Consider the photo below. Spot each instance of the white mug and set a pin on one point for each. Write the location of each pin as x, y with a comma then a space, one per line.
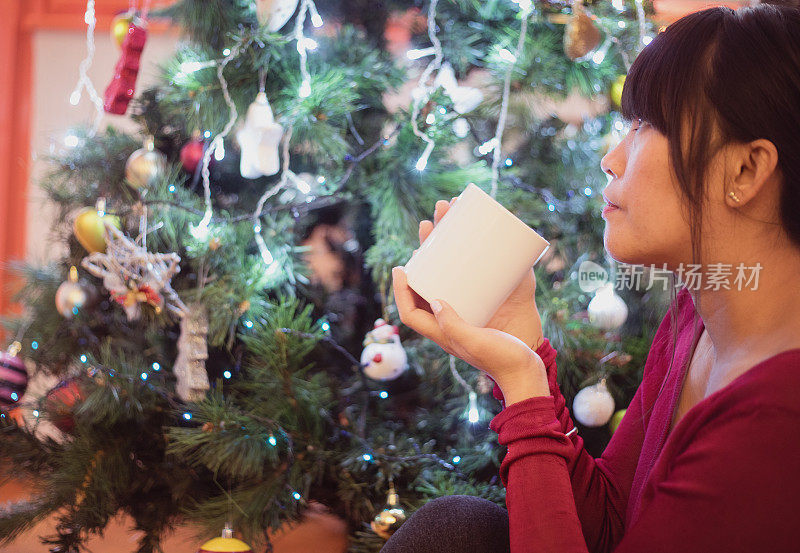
475, 256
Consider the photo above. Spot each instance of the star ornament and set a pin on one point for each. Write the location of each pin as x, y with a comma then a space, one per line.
259, 140
134, 276
465, 98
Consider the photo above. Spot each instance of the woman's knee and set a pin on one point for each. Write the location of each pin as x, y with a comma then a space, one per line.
454, 523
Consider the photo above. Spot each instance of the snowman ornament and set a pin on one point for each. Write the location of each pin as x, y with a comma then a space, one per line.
383, 357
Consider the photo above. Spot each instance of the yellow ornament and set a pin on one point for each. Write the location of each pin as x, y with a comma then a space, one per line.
615, 420
390, 518
226, 544
616, 91
89, 227
119, 27
581, 35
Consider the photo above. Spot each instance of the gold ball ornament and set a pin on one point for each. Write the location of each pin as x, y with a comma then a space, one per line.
70, 296
390, 518
145, 165
119, 27
274, 14
615, 93
615, 420
226, 544
89, 227
581, 35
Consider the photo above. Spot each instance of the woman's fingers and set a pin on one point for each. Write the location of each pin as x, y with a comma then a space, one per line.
425, 228
439, 210
413, 309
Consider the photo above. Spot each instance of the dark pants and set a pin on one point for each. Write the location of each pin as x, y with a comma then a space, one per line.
453, 524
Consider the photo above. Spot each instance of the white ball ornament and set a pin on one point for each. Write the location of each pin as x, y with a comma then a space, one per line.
259, 140
607, 310
383, 357
593, 406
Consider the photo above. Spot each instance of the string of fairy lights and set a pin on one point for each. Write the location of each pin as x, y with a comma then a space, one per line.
84, 82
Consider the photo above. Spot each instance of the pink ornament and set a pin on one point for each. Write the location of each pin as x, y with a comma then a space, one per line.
13, 377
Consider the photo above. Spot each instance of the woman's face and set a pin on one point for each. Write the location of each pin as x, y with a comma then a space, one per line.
649, 226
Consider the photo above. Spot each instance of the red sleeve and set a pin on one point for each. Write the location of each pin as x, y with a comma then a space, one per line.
591, 494
731, 488
548, 355
559, 497
541, 509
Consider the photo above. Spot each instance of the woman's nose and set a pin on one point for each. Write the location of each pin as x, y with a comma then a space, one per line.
612, 163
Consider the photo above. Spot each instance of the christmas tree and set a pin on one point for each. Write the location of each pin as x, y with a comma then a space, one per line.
226, 263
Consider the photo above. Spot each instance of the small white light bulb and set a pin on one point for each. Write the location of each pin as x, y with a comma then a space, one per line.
473, 415
305, 89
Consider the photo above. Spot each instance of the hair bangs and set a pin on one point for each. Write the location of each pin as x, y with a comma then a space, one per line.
662, 86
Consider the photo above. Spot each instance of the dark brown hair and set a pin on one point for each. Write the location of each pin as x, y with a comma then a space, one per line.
716, 77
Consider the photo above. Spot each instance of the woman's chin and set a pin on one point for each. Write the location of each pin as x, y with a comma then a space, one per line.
622, 253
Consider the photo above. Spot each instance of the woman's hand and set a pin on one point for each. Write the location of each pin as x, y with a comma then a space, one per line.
503, 352
516, 368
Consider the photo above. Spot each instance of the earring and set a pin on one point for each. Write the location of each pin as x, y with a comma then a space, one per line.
733, 195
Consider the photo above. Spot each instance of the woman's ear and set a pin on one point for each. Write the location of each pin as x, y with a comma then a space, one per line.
755, 165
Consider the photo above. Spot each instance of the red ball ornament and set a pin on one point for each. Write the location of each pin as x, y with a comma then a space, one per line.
13, 377
60, 404
192, 155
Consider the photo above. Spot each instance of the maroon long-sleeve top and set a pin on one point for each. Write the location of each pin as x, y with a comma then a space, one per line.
725, 479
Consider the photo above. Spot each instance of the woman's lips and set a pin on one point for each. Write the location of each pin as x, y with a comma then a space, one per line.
608, 209
610, 206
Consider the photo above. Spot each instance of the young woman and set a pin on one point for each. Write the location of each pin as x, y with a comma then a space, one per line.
707, 457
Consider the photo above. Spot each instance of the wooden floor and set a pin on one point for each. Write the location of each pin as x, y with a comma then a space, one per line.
323, 531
